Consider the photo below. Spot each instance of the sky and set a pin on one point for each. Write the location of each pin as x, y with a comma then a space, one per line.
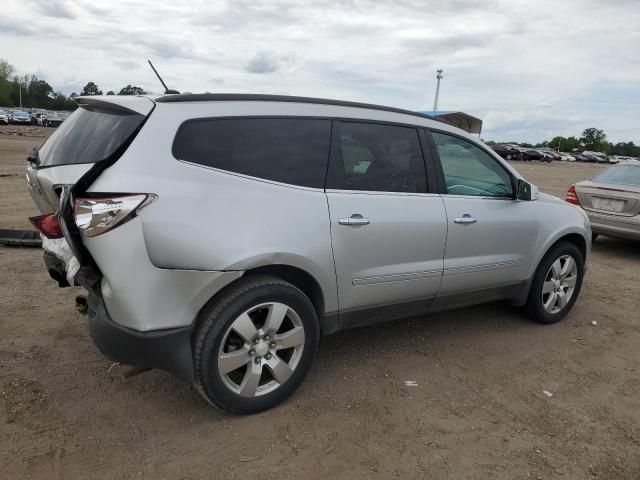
530, 70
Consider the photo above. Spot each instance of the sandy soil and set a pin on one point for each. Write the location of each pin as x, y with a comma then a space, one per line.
478, 411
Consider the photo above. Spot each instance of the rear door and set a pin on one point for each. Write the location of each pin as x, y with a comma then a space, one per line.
491, 236
388, 233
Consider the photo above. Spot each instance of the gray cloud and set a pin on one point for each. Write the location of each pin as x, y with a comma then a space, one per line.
12, 27
263, 62
56, 9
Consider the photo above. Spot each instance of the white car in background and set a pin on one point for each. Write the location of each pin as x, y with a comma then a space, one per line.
565, 157
4, 117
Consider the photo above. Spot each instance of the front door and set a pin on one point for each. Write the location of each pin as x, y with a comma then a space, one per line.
491, 236
388, 234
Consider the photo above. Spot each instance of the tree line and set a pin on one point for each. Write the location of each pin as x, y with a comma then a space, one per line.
37, 93
592, 140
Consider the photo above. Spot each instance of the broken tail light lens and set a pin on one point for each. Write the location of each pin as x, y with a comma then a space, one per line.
572, 196
48, 225
100, 213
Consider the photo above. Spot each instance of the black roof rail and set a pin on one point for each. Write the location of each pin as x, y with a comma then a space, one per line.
250, 97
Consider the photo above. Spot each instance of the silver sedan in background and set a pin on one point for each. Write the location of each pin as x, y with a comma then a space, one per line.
612, 201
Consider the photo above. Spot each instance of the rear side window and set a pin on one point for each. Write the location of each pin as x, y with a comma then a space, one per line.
379, 158
88, 136
287, 150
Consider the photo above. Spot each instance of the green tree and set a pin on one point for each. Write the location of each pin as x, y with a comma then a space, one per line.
131, 90
62, 102
565, 144
39, 93
6, 72
91, 89
627, 149
110, 92
594, 140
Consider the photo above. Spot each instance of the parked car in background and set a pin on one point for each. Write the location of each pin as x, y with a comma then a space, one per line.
578, 157
359, 210
545, 156
551, 153
19, 117
4, 117
508, 152
612, 200
533, 154
565, 157
598, 156
53, 119
588, 157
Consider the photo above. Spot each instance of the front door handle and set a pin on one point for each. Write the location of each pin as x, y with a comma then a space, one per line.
354, 220
465, 219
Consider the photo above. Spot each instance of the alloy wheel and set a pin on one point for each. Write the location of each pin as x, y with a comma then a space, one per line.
261, 349
559, 284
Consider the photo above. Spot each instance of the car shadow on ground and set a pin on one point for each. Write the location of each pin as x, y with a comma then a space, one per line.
434, 332
623, 249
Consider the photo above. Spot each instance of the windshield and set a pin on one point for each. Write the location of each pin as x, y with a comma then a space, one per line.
621, 175
20, 114
88, 136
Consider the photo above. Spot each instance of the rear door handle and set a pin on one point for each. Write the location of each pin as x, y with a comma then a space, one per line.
354, 220
465, 219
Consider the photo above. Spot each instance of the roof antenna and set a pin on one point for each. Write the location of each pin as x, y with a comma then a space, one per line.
166, 90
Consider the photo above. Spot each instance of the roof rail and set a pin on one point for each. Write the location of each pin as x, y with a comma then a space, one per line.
250, 97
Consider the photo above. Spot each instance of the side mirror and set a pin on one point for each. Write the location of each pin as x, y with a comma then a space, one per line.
32, 156
526, 191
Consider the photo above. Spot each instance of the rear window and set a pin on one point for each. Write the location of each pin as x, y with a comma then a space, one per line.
287, 150
88, 136
621, 175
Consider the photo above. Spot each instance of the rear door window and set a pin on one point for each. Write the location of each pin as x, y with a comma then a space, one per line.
287, 150
89, 136
377, 157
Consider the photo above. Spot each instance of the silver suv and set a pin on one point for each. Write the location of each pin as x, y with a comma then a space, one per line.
219, 236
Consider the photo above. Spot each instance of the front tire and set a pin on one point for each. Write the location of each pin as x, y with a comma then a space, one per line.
255, 345
556, 284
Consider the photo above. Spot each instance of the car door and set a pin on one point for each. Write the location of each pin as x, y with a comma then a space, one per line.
388, 234
491, 236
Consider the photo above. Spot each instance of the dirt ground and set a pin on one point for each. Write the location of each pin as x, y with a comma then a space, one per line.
478, 411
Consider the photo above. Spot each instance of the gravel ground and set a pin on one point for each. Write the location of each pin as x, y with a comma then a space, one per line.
478, 411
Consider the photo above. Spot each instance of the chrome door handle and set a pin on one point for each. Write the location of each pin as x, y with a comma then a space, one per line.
354, 220
465, 219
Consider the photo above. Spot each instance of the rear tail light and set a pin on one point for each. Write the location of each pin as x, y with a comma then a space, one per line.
48, 225
572, 196
100, 213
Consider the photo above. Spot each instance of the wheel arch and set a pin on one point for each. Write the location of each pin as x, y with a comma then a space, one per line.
298, 277
572, 236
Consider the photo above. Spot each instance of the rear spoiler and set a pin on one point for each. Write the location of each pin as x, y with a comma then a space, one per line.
123, 104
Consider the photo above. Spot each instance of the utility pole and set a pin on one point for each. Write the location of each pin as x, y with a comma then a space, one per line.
20, 90
435, 102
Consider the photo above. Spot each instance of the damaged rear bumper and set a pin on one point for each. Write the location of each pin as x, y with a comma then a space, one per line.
168, 350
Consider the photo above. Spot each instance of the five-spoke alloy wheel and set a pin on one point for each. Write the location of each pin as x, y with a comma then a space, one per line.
255, 344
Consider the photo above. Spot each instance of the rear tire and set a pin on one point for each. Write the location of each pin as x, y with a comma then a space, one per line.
255, 345
556, 284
